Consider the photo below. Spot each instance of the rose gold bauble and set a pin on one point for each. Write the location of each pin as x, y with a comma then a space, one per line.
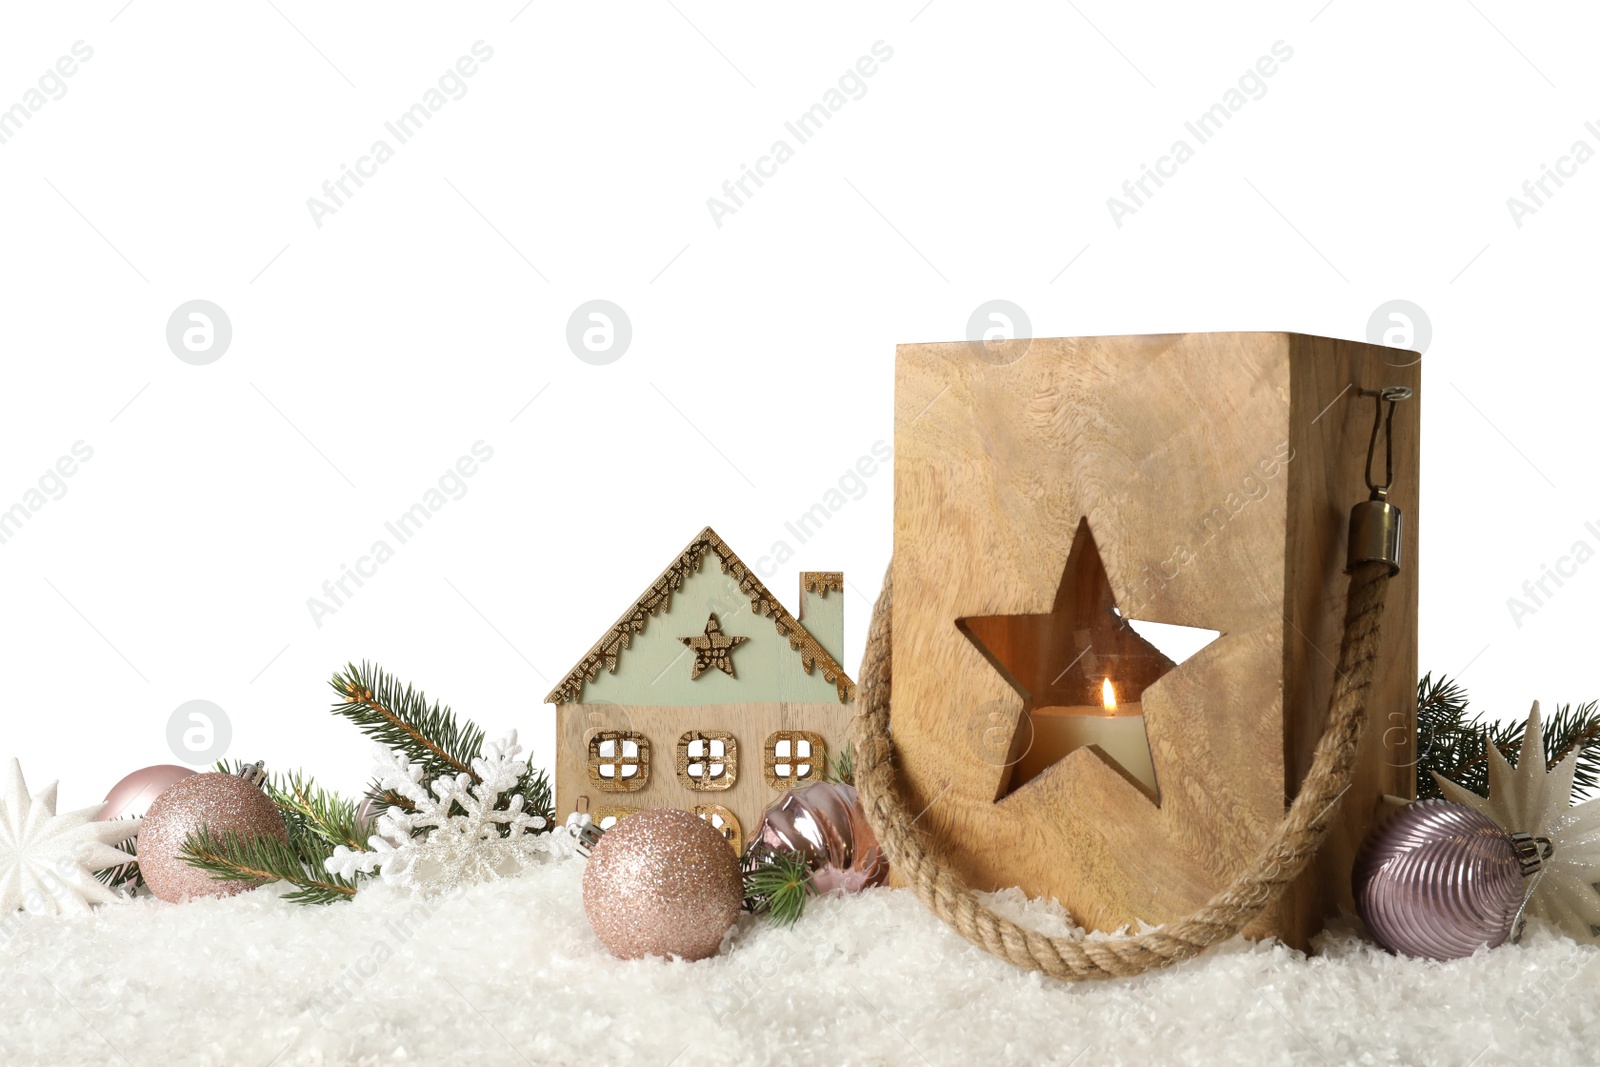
218, 802
662, 883
824, 824
132, 796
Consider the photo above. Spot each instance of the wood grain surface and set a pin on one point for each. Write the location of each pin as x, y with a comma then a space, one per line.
664, 727
1216, 473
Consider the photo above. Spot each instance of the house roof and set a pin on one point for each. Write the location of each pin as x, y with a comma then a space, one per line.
658, 598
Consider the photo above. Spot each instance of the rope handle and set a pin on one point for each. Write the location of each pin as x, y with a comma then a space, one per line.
1282, 858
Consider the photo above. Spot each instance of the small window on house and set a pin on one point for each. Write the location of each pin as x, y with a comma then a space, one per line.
619, 761
708, 760
794, 757
723, 822
606, 817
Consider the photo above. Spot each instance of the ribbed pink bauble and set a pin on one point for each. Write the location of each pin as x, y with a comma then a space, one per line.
219, 802
1439, 880
662, 883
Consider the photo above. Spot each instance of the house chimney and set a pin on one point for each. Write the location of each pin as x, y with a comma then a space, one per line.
822, 609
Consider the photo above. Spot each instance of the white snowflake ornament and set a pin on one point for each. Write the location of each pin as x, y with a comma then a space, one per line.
431, 848
1530, 800
47, 861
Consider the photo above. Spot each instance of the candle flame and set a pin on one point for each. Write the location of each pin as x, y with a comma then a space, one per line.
1109, 695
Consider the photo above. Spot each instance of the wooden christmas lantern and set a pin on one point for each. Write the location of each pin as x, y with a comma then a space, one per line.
1050, 495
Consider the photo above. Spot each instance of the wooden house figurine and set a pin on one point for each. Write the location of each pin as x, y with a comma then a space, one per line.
706, 695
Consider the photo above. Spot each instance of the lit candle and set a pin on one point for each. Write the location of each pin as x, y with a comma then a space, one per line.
1116, 729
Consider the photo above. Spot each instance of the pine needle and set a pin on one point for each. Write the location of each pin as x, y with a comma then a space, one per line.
260, 861
534, 786
314, 813
319, 820
777, 884
327, 816
126, 874
401, 719
1454, 745
1572, 729
843, 768
430, 736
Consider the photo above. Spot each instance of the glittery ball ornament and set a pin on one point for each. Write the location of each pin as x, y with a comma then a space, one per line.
824, 824
131, 797
1439, 880
662, 883
218, 802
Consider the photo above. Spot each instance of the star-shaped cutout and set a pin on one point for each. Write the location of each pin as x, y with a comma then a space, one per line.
713, 648
1065, 663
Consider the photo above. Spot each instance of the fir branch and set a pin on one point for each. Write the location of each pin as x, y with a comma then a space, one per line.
430, 737
1452, 745
387, 798
843, 768
330, 817
1456, 746
537, 799
325, 817
317, 820
120, 876
1578, 729
777, 883
261, 861
401, 719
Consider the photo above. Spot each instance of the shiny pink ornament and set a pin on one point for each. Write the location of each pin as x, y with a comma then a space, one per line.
1439, 880
662, 883
219, 802
131, 797
823, 823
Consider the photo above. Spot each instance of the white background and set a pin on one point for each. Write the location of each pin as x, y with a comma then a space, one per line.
423, 316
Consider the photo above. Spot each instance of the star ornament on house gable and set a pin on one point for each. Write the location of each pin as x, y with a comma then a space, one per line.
713, 649
1081, 669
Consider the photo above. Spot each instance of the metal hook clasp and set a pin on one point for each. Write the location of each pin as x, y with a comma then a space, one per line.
1393, 394
254, 773
1532, 854
1375, 524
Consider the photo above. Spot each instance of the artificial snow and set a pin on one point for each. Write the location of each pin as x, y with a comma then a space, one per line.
508, 972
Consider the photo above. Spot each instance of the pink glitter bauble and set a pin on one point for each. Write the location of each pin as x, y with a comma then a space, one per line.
662, 883
1438, 880
824, 824
218, 802
132, 796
